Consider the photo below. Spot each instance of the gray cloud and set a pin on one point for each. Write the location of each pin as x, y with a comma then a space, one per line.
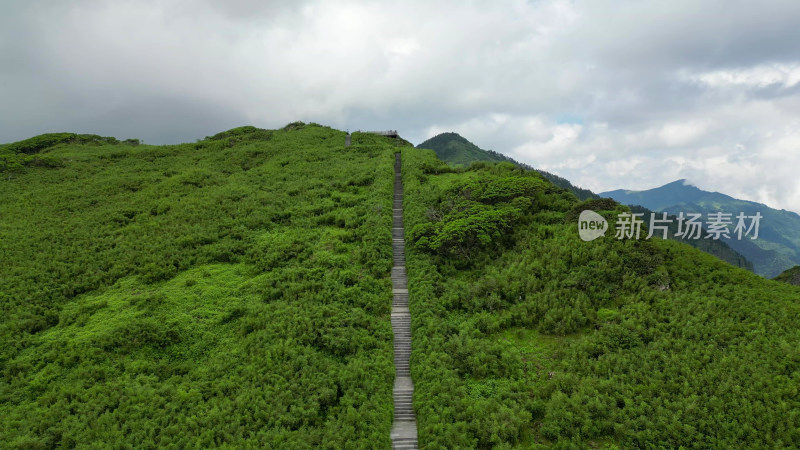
607, 94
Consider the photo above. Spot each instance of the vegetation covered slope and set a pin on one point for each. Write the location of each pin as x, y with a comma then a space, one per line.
711, 246
526, 336
26, 153
232, 292
457, 150
791, 276
778, 245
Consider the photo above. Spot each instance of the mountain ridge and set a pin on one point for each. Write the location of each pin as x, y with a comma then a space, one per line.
456, 149
778, 245
692, 188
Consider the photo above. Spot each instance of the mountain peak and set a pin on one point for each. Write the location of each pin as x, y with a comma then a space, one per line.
455, 149
451, 135
680, 185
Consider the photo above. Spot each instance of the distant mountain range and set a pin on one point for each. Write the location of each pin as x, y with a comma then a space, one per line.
457, 150
778, 245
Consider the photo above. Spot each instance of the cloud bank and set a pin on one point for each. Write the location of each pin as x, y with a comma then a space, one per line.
607, 94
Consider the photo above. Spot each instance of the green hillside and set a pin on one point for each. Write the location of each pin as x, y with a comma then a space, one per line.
235, 292
526, 336
231, 292
713, 247
457, 150
791, 276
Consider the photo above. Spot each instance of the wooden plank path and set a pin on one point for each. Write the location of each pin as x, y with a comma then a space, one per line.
404, 428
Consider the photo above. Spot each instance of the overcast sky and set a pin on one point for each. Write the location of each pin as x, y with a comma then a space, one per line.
608, 94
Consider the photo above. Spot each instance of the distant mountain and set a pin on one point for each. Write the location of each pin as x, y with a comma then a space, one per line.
713, 247
778, 245
457, 150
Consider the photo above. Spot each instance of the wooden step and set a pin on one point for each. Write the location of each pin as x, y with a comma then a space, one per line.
404, 428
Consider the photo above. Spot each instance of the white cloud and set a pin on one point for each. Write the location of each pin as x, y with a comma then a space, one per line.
558, 139
761, 76
682, 134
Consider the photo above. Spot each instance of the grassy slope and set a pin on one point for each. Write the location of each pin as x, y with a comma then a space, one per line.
455, 149
791, 276
711, 246
534, 337
234, 291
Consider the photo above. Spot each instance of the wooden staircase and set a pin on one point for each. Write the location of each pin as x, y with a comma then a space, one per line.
404, 428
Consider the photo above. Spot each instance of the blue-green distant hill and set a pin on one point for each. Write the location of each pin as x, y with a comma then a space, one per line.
778, 245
